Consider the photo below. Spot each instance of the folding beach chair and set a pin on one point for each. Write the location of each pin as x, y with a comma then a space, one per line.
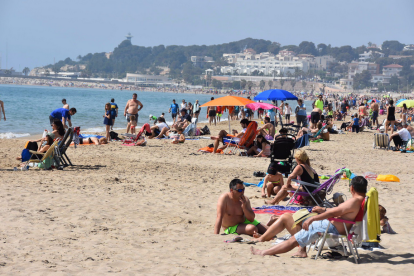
34, 158
357, 234
60, 157
190, 130
246, 141
381, 140
325, 188
292, 129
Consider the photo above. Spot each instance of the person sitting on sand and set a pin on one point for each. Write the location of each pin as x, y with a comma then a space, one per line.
223, 134
181, 137
273, 182
158, 130
234, 213
183, 120
310, 130
307, 231
268, 129
400, 137
261, 147
306, 173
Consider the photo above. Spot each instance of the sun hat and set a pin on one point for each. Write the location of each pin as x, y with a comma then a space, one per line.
300, 215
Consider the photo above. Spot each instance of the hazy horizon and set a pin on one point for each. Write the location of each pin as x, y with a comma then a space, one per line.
36, 33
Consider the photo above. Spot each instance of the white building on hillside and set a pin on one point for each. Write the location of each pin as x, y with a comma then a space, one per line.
392, 70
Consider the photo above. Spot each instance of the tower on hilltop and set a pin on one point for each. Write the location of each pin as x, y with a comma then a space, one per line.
129, 36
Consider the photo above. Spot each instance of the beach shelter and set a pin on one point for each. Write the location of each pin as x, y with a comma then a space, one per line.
275, 95
228, 101
408, 103
256, 106
400, 100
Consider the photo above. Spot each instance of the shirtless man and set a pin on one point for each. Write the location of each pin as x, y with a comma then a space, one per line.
65, 105
2, 110
268, 129
132, 107
375, 109
306, 232
234, 213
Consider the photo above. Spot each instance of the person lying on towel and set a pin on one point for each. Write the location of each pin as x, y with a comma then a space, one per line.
234, 213
304, 232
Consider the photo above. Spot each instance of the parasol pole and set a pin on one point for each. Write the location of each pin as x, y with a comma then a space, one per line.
228, 116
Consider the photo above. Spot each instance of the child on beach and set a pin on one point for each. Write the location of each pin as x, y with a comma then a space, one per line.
288, 111
107, 120
181, 137
133, 120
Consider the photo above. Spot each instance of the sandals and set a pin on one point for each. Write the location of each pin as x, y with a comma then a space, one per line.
332, 255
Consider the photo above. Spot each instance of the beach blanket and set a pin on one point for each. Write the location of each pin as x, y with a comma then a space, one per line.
208, 149
278, 209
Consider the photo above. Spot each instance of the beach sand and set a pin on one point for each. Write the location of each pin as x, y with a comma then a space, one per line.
151, 210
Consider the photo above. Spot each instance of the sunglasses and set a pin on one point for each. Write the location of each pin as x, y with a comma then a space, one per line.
239, 190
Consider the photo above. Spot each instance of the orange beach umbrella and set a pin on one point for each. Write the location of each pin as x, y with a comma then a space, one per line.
228, 101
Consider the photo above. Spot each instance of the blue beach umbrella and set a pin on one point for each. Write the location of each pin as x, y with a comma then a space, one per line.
401, 100
275, 95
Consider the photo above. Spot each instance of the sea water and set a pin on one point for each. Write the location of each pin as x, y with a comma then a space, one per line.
28, 107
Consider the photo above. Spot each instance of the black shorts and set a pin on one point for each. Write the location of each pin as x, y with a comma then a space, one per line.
287, 116
157, 132
212, 113
315, 117
173, 115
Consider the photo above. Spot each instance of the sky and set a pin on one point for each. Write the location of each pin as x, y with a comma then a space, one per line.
35, 33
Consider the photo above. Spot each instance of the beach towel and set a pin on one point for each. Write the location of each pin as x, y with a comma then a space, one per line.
210, 150
371, 223
278, 209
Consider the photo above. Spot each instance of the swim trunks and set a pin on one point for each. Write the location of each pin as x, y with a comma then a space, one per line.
129, 115
212, 113
233, 229
374, 115
315, 117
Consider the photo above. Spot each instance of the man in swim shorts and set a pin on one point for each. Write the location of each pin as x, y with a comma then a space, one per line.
131, 108
173, 110
268, 129
234, 213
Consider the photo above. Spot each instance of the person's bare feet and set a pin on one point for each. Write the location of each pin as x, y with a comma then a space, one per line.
300, 254
269, 202
18, 158
256, 235
264, 196
256, 251
272, 220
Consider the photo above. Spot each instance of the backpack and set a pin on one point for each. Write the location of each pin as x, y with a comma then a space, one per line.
114, 135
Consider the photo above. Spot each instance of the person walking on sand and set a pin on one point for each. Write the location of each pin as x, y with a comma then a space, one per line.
114, 112
211, 112
131, 108
2, 110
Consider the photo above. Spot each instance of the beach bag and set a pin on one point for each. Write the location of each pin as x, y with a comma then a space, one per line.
47, 163
205, 130
114, 135
26, 155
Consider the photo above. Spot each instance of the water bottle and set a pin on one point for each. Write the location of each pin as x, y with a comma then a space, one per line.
44, 133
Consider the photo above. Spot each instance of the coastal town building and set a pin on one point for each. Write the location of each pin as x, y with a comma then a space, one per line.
409, 47
392, 70
10, 72
369, 55
357, 68
200, 60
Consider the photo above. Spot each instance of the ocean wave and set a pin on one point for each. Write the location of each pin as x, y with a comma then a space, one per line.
10, 135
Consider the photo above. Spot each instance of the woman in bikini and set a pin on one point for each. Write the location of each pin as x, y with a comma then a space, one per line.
404, 113
303, 171
272, 183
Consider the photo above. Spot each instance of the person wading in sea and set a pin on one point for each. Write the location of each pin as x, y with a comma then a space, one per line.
132, 107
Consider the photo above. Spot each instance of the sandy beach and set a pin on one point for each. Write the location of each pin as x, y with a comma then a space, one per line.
151, 210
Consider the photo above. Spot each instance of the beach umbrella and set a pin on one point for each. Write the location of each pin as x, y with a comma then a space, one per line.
228, 101
401, 100
274, 95
256, 106
408, 103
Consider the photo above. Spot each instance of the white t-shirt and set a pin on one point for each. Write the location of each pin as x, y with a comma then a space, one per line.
404, 134
243, 130
183, 105
161, 126
288, 110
